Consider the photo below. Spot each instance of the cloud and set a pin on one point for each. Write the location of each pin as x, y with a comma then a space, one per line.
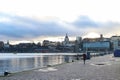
86, 25
66, 10
18, 28
22, 27
84, 22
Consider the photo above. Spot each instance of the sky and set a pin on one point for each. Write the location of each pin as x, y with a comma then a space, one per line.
37, 20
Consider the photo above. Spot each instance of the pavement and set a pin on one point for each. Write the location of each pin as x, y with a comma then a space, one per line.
97, 68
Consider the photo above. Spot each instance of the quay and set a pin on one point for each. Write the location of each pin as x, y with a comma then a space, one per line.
104, 67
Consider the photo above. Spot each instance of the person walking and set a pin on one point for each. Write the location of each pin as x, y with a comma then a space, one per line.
84, 58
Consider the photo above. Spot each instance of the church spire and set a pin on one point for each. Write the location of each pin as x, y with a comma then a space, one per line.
66, 36
66, 40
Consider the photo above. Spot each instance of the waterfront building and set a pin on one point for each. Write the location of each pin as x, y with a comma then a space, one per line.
46, 42
115, 40
42, 49
38, 44
26, 45
49, 43
78, 42
96, 46
67, 45
7, 45
66, 40
1, 44
101, 38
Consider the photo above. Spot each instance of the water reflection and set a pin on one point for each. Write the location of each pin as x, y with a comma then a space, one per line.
21, 64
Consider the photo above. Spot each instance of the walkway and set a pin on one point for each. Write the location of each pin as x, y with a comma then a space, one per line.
98, 68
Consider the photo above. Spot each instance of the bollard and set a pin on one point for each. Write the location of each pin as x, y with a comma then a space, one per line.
88, 55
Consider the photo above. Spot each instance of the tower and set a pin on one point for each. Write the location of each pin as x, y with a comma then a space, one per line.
7, 42
7, 45
66, 40
101, 37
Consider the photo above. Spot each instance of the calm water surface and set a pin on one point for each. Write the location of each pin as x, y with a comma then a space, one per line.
27, 61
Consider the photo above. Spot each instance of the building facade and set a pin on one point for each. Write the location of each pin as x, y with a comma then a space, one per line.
115, 40
96, 46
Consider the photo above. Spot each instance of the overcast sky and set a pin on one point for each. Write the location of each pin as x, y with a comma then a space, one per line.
39, 19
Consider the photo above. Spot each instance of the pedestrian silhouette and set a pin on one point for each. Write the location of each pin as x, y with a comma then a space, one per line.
84, 57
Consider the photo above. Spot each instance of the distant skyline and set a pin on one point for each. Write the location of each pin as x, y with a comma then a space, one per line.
36, 20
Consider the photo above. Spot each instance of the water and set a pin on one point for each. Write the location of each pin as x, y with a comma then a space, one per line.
26, 61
